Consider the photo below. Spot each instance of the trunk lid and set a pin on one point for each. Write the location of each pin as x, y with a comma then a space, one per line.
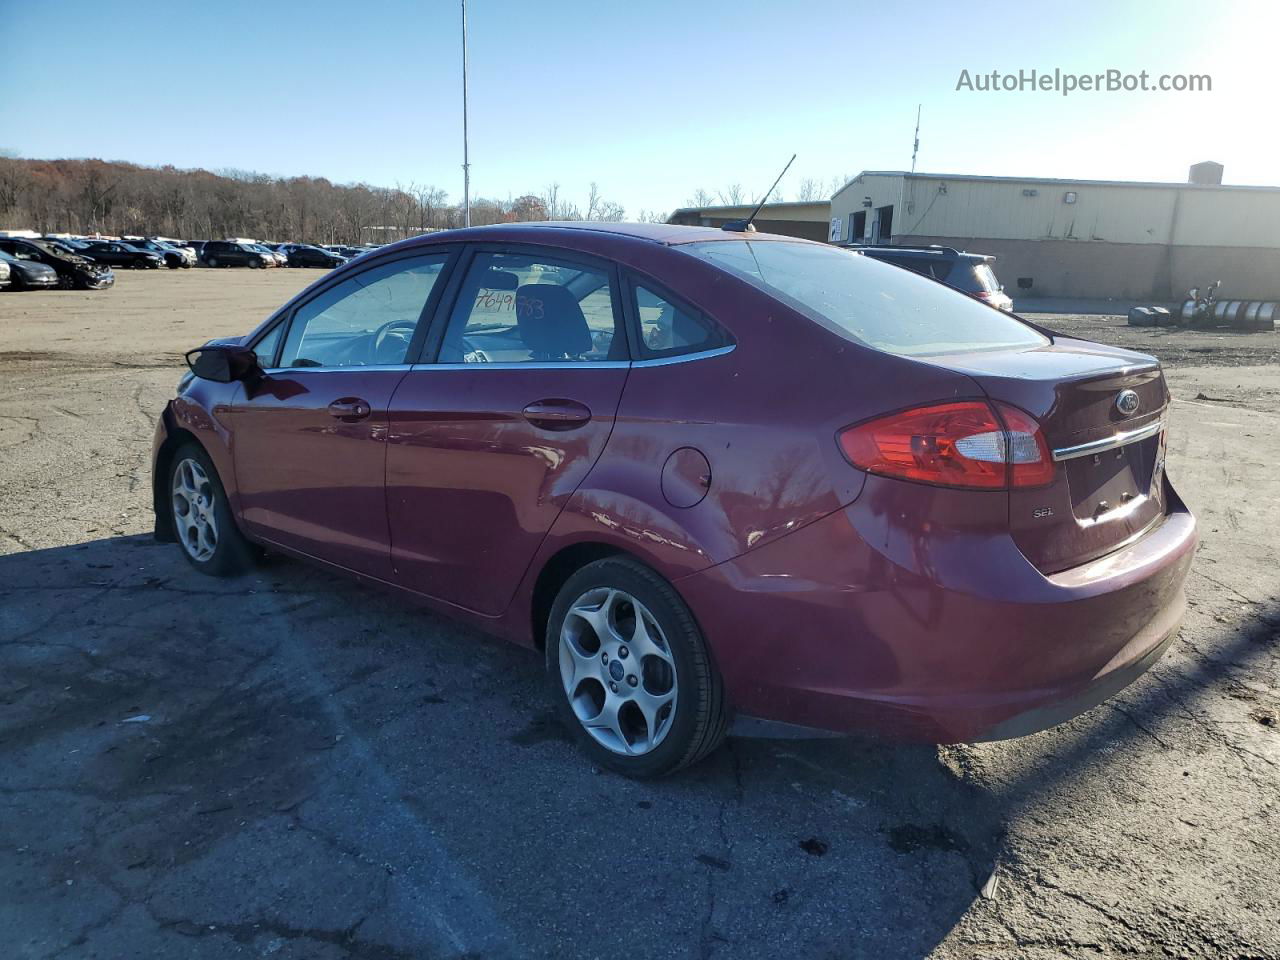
1109, 457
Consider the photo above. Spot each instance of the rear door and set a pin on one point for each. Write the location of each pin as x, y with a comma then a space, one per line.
491, 437
310, 436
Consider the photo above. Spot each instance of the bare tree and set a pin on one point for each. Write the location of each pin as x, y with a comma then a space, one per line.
811, 189
701, 198
87, 196
731, 196
528, 208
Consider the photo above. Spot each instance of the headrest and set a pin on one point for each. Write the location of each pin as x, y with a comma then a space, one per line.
495, 279
550, 322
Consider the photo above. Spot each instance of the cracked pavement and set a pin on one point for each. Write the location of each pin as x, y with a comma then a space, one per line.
328, 771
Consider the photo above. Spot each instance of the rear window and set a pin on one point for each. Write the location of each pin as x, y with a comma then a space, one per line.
870, 302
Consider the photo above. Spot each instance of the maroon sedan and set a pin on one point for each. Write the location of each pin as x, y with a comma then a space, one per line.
714, 475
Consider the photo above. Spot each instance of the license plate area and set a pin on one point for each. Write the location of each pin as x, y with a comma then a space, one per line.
1115, 479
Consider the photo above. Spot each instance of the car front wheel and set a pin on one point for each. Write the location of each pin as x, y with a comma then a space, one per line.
630, 671
203, 524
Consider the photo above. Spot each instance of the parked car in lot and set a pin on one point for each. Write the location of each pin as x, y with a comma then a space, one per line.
123, 255
306, 255
227, 253
181, 246
714, 475
969, 273
272, 258
28, 274
175, 258
74, 271
4, 274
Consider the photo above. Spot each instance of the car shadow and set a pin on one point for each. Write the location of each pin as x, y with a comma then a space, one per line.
290, 755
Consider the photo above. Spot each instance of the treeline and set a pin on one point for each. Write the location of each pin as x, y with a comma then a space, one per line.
97, 196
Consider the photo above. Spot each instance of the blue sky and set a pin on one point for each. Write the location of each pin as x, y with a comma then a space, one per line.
651, 100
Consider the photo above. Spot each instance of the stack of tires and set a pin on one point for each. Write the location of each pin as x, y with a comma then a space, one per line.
1150, 317
1258, 315
1250, 315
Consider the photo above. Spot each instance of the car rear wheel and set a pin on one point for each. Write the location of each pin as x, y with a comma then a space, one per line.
202, 521
213, 261
630, 671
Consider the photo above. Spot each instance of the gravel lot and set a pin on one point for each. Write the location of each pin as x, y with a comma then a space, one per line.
289, 765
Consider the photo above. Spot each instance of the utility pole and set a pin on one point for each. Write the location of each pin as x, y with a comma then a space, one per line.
915, 147
466, 162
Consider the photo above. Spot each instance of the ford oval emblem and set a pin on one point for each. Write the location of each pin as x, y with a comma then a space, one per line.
1127, 402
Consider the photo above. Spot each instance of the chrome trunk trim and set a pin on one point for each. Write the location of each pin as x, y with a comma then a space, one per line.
1108, 443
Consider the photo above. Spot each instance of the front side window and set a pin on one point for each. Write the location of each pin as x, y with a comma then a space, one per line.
867, 301
669, 329
265, 348
366, 320
517, 308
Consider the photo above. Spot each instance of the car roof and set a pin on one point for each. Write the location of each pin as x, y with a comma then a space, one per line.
667, 234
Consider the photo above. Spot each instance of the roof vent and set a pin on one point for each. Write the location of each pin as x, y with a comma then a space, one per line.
1207, 173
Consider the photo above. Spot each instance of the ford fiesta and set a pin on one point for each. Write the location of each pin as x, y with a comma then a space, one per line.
714, 475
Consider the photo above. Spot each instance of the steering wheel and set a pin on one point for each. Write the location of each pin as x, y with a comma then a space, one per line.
387, 329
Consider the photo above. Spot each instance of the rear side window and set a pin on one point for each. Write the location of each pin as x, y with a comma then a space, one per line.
934, 267
974, 276
519, 308
867, 301
669, 329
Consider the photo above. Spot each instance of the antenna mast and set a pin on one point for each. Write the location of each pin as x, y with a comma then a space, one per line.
915, 147
741, 226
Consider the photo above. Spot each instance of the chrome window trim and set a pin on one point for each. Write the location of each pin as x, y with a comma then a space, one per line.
529, 365
351, 368
573, 364
1108, 443
686, 357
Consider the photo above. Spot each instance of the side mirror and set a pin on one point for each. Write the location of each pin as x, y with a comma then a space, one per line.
223, 363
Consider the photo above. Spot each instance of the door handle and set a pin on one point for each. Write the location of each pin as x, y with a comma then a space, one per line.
558, 414
350, 409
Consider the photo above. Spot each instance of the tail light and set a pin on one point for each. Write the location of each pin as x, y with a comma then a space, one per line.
962, 444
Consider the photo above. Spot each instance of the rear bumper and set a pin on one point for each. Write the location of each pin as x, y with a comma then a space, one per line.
944, 634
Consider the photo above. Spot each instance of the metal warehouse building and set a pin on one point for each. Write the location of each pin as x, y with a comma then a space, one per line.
1080, 238
801, 218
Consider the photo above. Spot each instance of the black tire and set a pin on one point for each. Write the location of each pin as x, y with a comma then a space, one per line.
213, 262
233, 554
700, 717
256, 264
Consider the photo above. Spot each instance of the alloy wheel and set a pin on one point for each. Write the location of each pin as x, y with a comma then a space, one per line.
193, 510
618, 671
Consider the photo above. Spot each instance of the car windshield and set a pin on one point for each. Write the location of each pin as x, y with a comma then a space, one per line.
868, 301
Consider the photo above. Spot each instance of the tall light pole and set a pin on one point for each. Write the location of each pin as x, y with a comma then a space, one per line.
466, 163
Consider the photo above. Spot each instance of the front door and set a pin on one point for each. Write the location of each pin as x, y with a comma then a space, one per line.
310, 436
489, 443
